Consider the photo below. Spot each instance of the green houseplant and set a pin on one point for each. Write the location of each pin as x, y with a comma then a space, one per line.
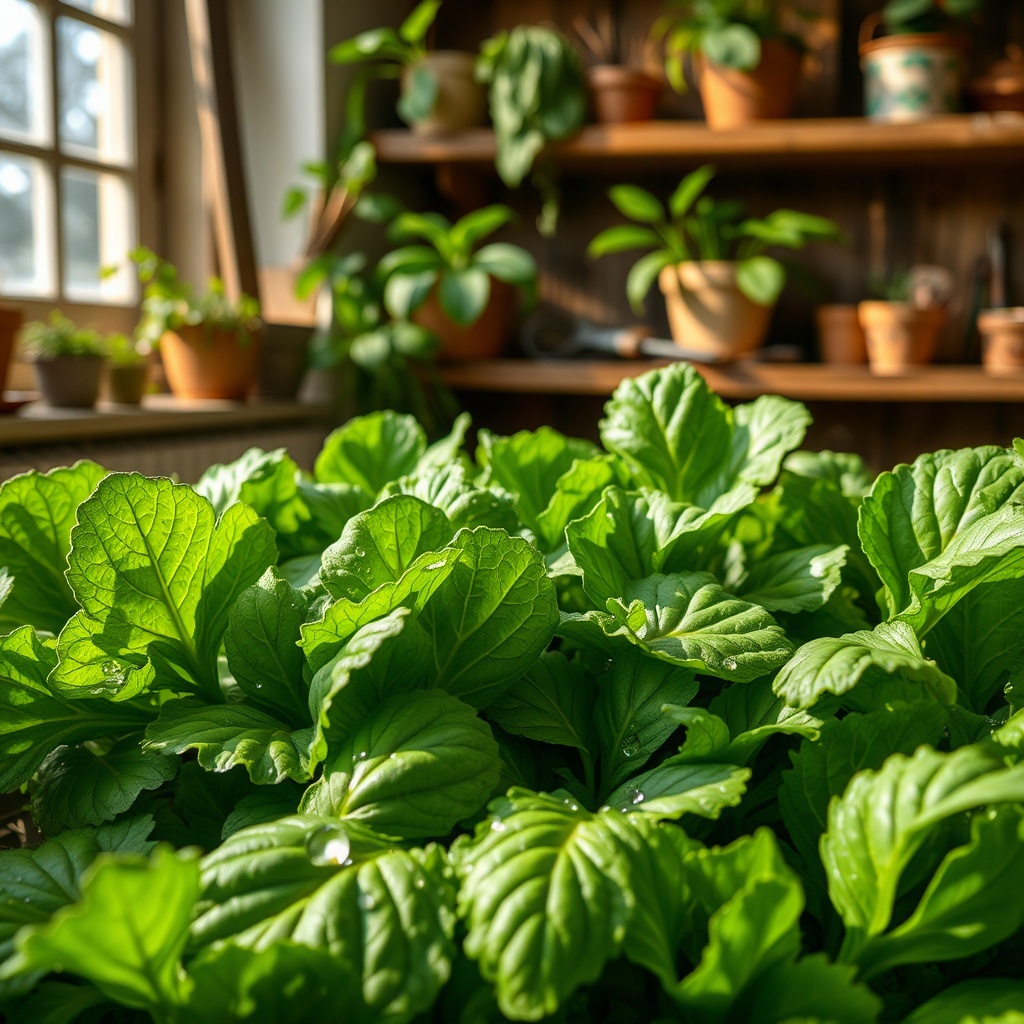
746, 59
208, 343
68, 360
916, 69
710, 260
462, 291
439, 92
127, 369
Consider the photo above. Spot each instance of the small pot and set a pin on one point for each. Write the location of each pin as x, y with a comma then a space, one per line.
708, 312
126, 384
899, 336
10, 324
1002, 340
621, 95
485, 338
70, 382
1002, 87
910, 77
840, 336
461, 100
209, 363
734, 98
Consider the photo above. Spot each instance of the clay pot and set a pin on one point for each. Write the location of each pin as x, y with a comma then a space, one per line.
734, 98
126, 384
461, 100
909, 77
899, 336
840, 336
621, 95
10, 324
70, 382
708, 312
484, 338
1002, 340
209, 363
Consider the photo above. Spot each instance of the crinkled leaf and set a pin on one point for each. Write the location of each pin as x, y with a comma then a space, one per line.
369, 451
799, 580
677, 787
576, 492
960, 1003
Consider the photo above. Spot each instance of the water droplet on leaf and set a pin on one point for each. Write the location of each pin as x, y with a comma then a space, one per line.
631, 745
638, 797
730, 664
329, 846
498, 825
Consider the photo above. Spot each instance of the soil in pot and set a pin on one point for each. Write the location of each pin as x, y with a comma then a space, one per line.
485, 338
10, 323
708, 312
461, 101
621, 95
126, 384
1002, 340
734, 98
209, 363
70, 382
841, 339
899, 336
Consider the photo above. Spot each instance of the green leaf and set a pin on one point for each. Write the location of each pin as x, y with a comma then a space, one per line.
156, 577
794, 581
636, 203
380, 42
732, 45
369, 451
463, 294
404, 293
576, 492
508, 263
125, 935
227, 735
37, 512
417, 23
628, 716
642, 276
421, 763
688, 619
261, 643
34, 718
865, 668
688, 191
960, 1003
530, 464
544, 895
419, 94
77, 787
676, 788
384, 916
474, 227
622, 238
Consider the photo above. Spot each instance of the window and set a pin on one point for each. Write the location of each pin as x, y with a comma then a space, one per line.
68, 163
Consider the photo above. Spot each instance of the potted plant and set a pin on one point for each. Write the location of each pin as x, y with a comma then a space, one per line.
620, 87
68, 360
746, 60
916, 68
462, 292
127, 369
439, 92
1002, 340
710, 261
207, 343
537, 95
900, 327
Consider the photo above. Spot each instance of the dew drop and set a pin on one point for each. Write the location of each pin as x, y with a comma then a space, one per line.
730, 664
631, 745
329, 846
638, 797
817, 570
419, 883
437, 565
259, 686
366, 901
360, 553
111, 668
498, 825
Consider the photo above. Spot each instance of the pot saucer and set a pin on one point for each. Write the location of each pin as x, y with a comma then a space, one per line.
12, 401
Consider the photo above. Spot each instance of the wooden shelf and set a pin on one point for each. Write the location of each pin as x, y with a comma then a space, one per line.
804, 382
966, 138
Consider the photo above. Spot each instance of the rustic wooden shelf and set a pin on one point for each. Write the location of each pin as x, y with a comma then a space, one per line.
969, 138
804, 382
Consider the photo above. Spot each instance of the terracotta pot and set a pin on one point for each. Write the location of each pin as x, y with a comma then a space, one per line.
202, 363
461, 100
909, 77
1002, 340
708, 312
734, 98
70, 382
899, 336
621, 95
840, 336
126, 384
10, 324
484, 338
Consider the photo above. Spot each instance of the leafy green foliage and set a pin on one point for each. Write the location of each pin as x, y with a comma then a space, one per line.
687, 725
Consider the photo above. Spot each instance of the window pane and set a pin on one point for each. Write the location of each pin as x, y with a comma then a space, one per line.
26, 227
23, 78
96, 214
112, 10
95, 92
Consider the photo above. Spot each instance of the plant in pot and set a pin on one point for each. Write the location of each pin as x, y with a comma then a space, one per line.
127, 369
916, 68
208, 344
621, 88
537, 95
746, 58
439, 92
710, 260
463, 292
68, 360
901, 324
